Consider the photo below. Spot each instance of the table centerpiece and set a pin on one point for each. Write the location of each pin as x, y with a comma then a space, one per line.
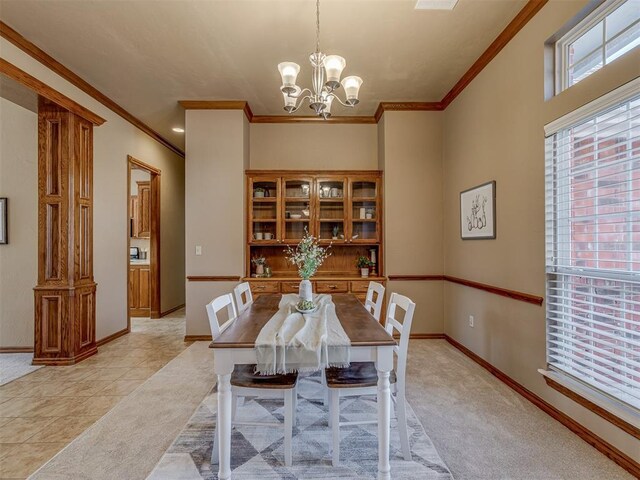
308, 256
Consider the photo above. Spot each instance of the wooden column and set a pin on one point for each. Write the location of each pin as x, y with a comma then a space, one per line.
65, 296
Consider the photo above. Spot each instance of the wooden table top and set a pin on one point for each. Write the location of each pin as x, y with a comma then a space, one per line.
362, 329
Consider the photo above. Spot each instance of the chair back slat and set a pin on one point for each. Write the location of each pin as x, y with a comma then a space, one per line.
243, 296
216, 305
374, 306
401, 350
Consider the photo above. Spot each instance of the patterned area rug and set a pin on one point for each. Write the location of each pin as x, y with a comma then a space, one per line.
15, 365
257, 452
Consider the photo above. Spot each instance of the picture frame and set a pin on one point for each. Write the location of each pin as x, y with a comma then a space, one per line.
478, 212
4, 221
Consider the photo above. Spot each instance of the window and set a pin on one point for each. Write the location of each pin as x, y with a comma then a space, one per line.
608, 33
593, 244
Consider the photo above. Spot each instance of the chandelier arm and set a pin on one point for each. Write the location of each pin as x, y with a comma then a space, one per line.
306, 97
340, 101
299, 94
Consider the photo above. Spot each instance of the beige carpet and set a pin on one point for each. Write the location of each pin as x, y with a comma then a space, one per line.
482, 429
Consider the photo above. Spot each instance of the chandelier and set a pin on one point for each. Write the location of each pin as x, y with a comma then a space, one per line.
323, 95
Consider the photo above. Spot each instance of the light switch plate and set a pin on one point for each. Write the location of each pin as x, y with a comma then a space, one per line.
198, 249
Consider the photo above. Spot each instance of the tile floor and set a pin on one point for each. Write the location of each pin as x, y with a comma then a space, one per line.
42, 412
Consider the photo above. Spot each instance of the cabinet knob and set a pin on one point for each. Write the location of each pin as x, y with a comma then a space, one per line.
259, 287
333, 287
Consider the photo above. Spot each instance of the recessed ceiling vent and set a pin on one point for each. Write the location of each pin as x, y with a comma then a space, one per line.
436, 4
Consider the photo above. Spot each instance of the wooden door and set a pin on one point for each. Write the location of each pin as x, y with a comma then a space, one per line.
143, 288
364, 210
144, 209
134, 281
264, 211
297, 208
331, 210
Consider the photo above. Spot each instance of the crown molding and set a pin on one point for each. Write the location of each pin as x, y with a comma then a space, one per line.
47, 60
218, 105
313, 119
44, 90
406, 107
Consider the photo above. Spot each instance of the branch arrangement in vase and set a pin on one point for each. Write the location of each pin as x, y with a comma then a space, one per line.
308, 256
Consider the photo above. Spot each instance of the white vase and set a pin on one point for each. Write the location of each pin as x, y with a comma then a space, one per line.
306, 291
364, 272
259, 269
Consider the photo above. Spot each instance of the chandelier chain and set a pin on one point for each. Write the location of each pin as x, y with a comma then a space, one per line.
317, 26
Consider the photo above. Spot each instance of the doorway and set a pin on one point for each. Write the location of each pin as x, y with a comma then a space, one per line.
143, 240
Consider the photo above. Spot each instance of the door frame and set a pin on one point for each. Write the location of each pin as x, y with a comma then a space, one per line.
154, 235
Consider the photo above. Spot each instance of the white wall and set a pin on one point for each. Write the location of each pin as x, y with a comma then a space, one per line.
495, 131
113, 141
313, 146
216, 160
18, 259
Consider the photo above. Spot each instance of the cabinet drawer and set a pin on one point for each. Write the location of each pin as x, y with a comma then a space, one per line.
290, 287
361, 286
264, 287
332, 287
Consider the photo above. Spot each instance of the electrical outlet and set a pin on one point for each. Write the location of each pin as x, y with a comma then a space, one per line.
198, 249
471, 319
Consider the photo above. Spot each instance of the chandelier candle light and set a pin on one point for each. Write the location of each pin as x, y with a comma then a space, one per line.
322, 96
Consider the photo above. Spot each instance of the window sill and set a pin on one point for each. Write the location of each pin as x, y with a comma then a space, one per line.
614, 412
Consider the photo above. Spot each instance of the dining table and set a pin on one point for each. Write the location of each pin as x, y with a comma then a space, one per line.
370, 342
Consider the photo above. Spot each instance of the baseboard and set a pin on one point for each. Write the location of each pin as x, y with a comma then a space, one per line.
587, 435
16, 349
171, 310
111, 337
198, 338
426, 336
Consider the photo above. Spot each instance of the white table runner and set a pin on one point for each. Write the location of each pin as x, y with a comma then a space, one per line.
294, 342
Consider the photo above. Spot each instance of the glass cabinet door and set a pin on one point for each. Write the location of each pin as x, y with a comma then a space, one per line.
264, 211
331, 196
297, 208
364, 210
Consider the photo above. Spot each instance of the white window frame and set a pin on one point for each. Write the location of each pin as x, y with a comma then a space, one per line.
562, 45
612, 404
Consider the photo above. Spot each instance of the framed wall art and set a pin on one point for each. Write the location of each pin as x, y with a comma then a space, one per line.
478, 212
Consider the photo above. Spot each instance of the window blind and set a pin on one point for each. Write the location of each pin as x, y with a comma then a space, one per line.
593, 245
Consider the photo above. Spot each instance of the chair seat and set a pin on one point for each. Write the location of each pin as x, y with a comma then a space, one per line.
244, 376
357, 375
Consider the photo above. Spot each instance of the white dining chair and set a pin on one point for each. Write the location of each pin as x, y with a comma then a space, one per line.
361, 378
245, 383
374, 306
243, 296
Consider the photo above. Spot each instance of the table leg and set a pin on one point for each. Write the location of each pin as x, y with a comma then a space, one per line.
384, 365
224, 426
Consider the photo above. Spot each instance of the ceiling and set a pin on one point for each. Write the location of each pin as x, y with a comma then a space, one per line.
148, 54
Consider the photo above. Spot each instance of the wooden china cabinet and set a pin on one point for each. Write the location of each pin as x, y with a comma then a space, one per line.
341, 208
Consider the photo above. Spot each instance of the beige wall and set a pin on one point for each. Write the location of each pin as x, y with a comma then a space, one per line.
18, 259
308, 146
412, 164
113, 141
216, 160
494, 131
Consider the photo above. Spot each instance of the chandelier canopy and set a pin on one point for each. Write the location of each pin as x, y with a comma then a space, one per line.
322, 95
